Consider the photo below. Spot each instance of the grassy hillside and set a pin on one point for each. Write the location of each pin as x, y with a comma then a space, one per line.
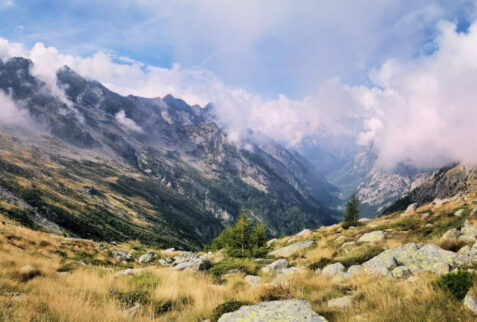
46, 277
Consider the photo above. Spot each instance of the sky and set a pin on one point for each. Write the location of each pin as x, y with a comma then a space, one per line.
399, 74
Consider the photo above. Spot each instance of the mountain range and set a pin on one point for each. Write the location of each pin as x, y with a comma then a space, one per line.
90, 163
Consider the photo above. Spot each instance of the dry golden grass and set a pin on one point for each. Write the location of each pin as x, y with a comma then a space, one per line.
93, 293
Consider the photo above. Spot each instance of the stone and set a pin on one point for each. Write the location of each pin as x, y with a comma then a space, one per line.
170, 249
459, 213
470, 302
132, 311
425, 215
340, 302
372, 237
439, 202
292, 249
272, 242
284, 310
364, 220
451, 234
190, 261
333, 269
318, 271
276, 265
129, 271
401, 271
425, 258
252, 279
123, 255
468, 229
339, 278
291, 270
411, 208
304, 232
355, 269
163, 262
147, 258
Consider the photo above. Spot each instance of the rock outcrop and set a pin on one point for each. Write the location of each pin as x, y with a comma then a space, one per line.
286, 310
292, 249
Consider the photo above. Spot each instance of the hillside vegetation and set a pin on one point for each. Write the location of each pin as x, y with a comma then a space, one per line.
47, 277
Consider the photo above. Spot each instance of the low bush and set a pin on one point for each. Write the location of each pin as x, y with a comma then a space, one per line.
320, 264
458, 284
226, 308
360, 256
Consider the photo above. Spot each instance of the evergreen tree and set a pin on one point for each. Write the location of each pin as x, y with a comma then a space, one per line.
242, 239
352, 212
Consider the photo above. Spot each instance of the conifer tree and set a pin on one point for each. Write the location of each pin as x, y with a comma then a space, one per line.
352, 212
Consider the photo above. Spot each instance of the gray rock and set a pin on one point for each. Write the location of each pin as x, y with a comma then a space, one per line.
451, 234
355, 269
163, 262
286, 310
272, 242
426, 258
411, 208
340, 302
333, 269
401, 271
304, 232
147, 258
459, 213
318, 271
123, 255
170, 249
372, 237
252, 279
468, 229
129, 271
292, 249
132, 311
471, 303
291, 270
191, 261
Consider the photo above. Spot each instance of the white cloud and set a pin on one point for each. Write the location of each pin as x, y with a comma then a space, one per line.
421, 111
127, 122
426, 109
10, 114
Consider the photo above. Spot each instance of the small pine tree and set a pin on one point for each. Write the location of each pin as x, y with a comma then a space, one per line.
259, 239
352, 212
242, 239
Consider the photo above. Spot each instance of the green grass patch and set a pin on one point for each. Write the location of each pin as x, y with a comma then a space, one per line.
245, 265
458, 284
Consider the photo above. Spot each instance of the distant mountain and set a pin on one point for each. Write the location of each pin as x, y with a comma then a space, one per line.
444, 183
377, 187
99, 165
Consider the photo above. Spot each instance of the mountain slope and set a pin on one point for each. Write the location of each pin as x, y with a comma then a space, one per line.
377, 187
443, 184
103, 166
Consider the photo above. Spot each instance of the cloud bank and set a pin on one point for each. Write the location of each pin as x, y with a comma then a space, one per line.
421, 111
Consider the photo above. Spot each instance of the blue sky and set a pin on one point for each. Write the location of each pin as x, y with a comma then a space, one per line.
268, 47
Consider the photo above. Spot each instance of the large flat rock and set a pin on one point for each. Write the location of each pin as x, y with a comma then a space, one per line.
292, 249
283, 311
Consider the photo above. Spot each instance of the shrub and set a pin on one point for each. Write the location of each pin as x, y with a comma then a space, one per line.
242, 239
274, 293
226, 308
458, 284
320, 264
361, 256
